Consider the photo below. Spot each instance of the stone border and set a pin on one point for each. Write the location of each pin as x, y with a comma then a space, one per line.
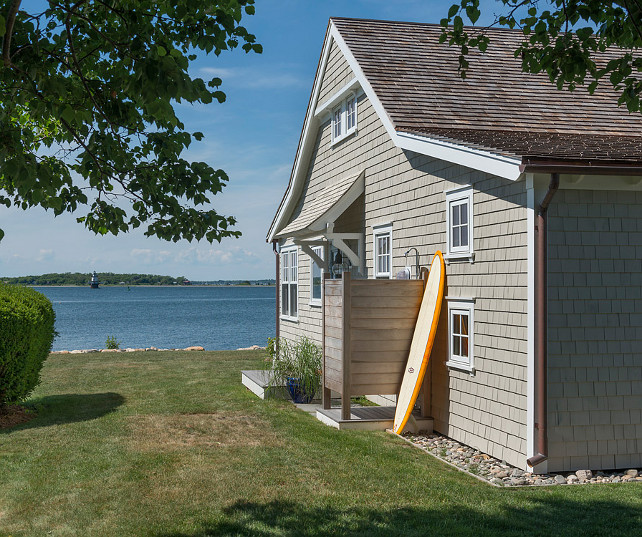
87, 351
193, 348
500, 473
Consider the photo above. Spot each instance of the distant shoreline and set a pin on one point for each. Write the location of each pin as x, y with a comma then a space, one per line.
149, 285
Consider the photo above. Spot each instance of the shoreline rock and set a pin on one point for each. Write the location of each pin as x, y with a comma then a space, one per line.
193, 348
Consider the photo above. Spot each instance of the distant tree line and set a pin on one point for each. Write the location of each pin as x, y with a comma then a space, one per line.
105, 278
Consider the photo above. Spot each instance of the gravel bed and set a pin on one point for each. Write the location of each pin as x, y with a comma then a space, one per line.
502, 474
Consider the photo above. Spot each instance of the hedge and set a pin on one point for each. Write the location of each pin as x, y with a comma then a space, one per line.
26, 335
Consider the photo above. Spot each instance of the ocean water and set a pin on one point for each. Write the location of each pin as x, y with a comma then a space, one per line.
217, 318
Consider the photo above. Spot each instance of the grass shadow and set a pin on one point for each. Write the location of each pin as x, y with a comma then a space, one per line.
552, 516
68, 408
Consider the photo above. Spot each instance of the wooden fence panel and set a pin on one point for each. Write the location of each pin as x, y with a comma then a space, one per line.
368, 328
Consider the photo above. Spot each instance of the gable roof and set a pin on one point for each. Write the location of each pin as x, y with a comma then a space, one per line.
496, 107
497, 120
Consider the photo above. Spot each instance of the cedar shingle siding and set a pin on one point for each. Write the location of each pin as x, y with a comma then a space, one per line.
595, 330
595, 237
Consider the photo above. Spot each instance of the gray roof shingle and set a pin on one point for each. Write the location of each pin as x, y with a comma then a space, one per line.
496, 107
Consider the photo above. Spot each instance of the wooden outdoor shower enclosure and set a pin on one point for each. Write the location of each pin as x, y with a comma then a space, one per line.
367, 330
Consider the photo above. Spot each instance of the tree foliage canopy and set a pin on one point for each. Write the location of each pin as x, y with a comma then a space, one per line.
87, 117
564, 41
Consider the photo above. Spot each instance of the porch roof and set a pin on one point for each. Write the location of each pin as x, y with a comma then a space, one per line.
325, 207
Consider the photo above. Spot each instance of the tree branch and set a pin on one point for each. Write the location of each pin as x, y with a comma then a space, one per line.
11, 21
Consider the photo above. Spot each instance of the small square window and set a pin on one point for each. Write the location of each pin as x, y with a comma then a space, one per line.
383, 252
459, 224
460, 335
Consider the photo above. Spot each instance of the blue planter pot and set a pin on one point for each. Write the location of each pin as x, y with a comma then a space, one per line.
297, 393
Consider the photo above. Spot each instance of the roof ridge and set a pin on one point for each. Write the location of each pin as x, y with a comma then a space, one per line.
425, 24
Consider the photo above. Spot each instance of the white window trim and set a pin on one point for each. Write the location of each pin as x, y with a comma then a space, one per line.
287, 250
453, 197
320, 251
466, 306
342, 106
377, 232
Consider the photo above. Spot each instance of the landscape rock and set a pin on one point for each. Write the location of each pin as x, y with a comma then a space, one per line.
584, 475
194, 348
501, 473
110, 350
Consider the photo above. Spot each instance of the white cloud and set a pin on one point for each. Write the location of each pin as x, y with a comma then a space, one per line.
45, 255
255, 79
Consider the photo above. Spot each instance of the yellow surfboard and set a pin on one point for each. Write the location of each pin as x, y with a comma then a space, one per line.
422, 342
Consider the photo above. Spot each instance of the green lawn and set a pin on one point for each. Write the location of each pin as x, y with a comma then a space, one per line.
171, 444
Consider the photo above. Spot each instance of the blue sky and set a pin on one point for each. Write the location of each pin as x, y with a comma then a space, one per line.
253, 136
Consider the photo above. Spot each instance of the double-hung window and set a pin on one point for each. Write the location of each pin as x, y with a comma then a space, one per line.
459, 224
383, 252
315, 277
289, 283
460, 335
344, 119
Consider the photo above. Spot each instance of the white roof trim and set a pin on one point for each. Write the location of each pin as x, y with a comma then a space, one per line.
458, 154
337, 97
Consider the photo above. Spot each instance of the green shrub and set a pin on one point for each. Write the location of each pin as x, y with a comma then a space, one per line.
26, 335
112, 343
300, 359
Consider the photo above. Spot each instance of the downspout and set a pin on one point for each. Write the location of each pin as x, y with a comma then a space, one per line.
278, 292
541, 313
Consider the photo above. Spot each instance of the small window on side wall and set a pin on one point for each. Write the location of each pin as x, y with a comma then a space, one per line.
460, 335
383, 252
289, 284
315, 278
459, 224
344, 119
337, 124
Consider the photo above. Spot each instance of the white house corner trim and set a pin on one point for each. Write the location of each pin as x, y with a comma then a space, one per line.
531, 209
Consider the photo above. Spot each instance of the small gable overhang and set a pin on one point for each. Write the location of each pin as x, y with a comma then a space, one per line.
320, 213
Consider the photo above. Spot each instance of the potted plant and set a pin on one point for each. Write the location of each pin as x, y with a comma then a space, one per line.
297, 365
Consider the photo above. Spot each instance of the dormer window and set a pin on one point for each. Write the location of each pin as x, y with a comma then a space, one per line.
344, 119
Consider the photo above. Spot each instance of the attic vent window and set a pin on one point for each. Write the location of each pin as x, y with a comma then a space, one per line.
344, 119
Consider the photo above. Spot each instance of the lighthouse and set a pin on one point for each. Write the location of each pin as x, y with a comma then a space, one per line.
94, 281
